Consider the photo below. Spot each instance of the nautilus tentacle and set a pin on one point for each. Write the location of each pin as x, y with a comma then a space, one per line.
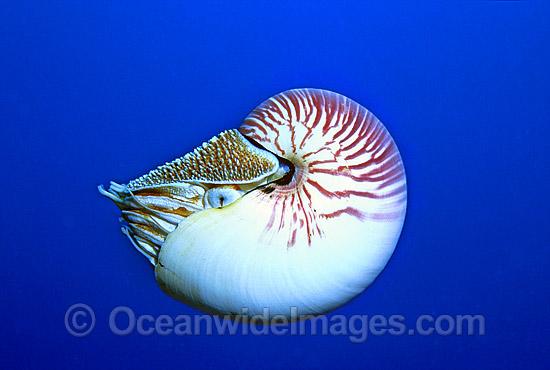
301, 207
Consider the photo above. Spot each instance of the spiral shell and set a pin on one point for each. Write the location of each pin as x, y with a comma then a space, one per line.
301, 207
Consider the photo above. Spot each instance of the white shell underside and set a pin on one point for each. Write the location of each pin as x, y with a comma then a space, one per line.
255, 270
309, 241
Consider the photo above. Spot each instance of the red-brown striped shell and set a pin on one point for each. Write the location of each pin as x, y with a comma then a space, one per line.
324, 135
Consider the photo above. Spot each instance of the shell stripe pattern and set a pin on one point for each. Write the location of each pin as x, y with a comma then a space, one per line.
330, 135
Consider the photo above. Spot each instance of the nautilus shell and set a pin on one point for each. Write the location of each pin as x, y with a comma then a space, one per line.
301, 207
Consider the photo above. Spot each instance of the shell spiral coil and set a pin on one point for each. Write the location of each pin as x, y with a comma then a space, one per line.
302, 206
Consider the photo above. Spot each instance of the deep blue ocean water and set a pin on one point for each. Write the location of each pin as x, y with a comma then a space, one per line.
92, 91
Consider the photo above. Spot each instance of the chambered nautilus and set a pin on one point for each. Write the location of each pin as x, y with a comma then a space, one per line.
301, 207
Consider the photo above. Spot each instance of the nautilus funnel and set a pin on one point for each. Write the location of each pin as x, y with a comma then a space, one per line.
299, 209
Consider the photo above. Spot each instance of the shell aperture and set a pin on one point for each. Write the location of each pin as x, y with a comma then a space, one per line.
213, 175
301, 207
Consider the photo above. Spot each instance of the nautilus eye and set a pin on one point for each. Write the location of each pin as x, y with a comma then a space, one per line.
301, 207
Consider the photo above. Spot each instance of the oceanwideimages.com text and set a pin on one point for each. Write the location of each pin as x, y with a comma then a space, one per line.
80, 321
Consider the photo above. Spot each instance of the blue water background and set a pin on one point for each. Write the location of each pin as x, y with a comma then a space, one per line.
92, 91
